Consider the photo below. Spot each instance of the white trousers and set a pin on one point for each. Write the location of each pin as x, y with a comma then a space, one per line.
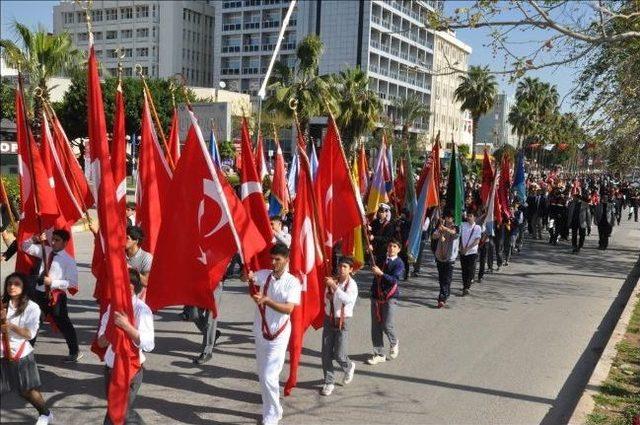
270, 356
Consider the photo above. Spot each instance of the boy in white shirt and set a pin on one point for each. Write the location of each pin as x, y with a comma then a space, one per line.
141, 333
341, 295
277, 292
470, 234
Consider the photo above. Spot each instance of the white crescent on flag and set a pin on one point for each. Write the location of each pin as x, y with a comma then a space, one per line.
209, 190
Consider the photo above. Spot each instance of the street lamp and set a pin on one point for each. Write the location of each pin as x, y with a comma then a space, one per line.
222, 85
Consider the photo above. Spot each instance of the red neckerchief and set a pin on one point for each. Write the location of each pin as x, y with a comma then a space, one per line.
332, 314
266, 332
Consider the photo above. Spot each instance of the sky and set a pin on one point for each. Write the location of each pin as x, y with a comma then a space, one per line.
33, 13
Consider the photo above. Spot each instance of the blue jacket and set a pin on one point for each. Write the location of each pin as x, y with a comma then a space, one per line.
393, 272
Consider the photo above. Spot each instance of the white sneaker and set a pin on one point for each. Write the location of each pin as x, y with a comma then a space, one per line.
327, 389
348, 377
394, 351
375, 359
45, 420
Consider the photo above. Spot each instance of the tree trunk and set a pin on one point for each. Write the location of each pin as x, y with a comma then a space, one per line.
474, 119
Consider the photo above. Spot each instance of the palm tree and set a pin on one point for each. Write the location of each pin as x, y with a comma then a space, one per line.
540, 100
40, 55
522, 120
409, 110
358, 107
476, 92
304, 85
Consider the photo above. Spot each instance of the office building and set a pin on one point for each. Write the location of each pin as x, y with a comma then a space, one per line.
163, 37
494, 127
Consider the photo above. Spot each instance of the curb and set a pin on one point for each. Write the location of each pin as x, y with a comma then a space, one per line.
586, 404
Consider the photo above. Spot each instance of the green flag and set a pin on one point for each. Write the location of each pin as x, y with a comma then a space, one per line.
455, 190
410, 199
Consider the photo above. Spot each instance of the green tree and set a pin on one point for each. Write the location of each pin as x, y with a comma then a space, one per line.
40, 55
7, 100
410, 109
476, 92
358, 106
304, 85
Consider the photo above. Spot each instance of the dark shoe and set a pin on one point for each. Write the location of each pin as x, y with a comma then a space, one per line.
415, 274
479, 280
202, 358
215, 340
73, 358
498, 269
465, 292
506, 263
184, 317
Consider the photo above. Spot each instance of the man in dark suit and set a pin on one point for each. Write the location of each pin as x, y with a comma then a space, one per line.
383, 229
536, 207
384, 302
605, 220
578, 218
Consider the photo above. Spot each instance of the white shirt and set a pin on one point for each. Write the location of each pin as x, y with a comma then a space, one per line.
469, 234
143, 323
342, 297
282, 237
63, 270
287, 289
30, 319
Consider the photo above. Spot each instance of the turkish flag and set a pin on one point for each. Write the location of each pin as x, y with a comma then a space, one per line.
280, 201
72, 170
111, 235
37, 197
487, 178
261, 163
253, 200
306, 261
198, 238
119, 153
341, 209
154, 179
174, 137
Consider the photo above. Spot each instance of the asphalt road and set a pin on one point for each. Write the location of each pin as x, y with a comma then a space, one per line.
518, 350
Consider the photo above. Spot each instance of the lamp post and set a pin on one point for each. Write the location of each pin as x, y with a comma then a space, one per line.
222, 86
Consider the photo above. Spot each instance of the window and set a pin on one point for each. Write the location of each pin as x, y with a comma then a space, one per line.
83, 36
97, 35
112, 35
111, 53
142, 11
142, 32
68, 17
126, 13
128, 53
145, 70
142, 52
96, 15
111, 14
126, 33
127, 72
113, 72
81, 17
98, 53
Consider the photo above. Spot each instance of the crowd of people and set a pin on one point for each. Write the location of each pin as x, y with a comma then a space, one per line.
558, 207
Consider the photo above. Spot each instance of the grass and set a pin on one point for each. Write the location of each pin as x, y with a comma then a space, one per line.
618, 401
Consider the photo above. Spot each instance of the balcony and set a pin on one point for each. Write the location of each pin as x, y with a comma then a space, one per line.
271, 24
251, 25
232, 27
251, 47
230, 49
268, 47
230, 71
288, 46
231, 4
251, 70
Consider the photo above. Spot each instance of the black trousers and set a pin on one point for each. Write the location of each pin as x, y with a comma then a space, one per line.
604, 231
418, 264
60, 316
468, 265
486, 256
445, 275
575, 241
498, 241
132, 417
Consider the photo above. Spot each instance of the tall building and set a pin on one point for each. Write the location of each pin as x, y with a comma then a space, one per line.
164, 37
494, 127
451, 60
387, 39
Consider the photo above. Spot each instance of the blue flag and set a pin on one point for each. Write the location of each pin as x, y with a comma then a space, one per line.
213, 148
292, 178
313, 162
519, 178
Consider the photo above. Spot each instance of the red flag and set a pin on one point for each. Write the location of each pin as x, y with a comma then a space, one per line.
38, 200
279, 187
363, 171
111, 234
253, 200
487, 178
435, 155
305, 263
154, 180
119, 153
174, 137
198, 239
400, 186
75, 176
504, 185
341, 210
261, 163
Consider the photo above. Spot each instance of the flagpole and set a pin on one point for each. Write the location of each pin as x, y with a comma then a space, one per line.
155, 116
45, 265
